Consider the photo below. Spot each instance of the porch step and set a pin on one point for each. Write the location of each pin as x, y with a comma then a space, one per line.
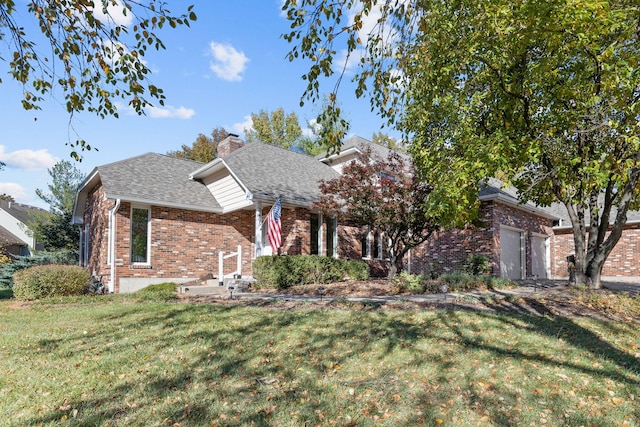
212, 286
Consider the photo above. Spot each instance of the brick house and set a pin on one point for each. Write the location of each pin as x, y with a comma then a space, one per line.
153, 218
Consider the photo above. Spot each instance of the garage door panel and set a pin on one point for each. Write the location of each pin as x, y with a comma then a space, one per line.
510, 253
539, 261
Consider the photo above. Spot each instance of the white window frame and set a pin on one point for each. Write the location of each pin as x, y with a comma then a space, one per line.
318, 235
334, 236
378, 243
367, 242
148, 209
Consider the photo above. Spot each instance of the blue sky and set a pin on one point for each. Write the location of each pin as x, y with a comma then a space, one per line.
230, 63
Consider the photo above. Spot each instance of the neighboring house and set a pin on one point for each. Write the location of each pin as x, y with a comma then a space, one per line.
14, 233
153, 218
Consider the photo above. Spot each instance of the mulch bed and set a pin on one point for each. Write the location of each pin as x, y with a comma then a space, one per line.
555, 301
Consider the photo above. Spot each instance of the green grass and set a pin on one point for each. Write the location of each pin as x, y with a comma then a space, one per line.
120, 361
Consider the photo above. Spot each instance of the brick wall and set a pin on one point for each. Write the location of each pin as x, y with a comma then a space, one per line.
296, 231
185, 244
624, 260
448, 250
96, 218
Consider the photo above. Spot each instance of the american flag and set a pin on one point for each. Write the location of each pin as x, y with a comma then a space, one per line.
273, 225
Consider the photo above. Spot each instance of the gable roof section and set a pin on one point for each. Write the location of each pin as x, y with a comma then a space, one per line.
8, 238
150, 178
19, 211
354, 145
268, 172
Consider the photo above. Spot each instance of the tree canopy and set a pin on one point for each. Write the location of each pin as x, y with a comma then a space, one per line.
385, 194
204, 149
53, 229
91, 51
276, 128
545, 93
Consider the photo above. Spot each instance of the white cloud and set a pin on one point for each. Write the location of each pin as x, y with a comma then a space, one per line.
313, 128
169, 112
242, 127
17, 191
115, 12
228, 64
166, 112
27, 159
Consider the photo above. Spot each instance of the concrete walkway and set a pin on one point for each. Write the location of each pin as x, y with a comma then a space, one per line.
527, 287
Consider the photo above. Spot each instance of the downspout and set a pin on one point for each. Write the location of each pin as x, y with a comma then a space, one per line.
81, 247
112, 255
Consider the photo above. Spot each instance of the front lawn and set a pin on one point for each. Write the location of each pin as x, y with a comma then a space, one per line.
120, 361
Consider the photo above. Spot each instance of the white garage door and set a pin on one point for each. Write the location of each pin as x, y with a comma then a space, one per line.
539, 256
510, 253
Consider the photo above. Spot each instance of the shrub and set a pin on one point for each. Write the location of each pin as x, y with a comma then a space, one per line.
406, 282
463, 282
159, 292
281, 272
476, 264
44, 281
357, 270
44, 258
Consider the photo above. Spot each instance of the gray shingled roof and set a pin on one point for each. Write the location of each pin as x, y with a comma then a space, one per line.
270, 172
559, 210
19, 211
156, 178
8, 238
359, 142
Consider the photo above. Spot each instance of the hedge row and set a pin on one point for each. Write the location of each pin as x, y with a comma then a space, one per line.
44, 281
281, 272
45, 258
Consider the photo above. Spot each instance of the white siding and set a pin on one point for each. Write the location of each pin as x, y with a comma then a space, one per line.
16, 227
227, 191
339, 163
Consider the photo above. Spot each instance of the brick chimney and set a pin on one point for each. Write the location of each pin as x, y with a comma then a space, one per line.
230, 144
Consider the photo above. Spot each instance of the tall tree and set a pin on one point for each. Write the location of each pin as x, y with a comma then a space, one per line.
276, 128
53, 229
93, 52
388, 141
8, 197
386, 195
546, 93
204, 149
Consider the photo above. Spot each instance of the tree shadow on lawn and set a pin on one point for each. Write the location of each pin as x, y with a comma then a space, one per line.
248, 360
